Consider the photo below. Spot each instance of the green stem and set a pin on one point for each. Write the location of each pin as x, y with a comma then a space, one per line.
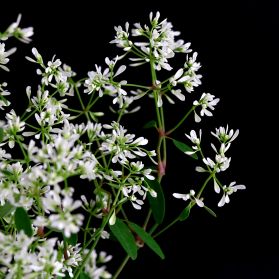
164, 138
26, 158
205, 183
86, 258
181, 121
123, 264
79, 97
74, 110
154, 227
167, 227
137, 85
147, 219
96, 240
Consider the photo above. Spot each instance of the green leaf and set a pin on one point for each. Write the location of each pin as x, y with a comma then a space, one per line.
157, 204
6, 209
72, 240
7, 173
22, 221
83, 276
150, 124
210, 211
185, 213
147, 239
184, 148
1, 134
125, 238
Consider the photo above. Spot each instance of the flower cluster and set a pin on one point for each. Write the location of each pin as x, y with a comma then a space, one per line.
21, 257
54, 73
68, 180
219, 164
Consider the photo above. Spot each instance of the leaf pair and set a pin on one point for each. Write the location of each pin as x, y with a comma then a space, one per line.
127, 240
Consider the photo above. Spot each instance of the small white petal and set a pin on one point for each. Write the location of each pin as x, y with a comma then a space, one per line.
136, 206
185, 197
197, 118
200, 169
178, 74
216, 187
222, 201
120, 70
199, 202
112, 218
190, 152
159, 101
150, 177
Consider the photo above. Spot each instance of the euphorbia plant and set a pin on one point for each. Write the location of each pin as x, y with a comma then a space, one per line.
50, 227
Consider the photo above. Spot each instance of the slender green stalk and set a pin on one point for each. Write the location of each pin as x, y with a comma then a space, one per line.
121, 267
166, 227
79, 97
147, 219
96, 240
181, 121
137, 86
205, 183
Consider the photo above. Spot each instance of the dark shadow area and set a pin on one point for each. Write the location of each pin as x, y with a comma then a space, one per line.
237, 42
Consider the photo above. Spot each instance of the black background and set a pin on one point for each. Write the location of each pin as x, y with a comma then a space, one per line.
237, 43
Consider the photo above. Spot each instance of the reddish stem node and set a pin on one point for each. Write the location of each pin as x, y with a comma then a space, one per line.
40, 232
161, 168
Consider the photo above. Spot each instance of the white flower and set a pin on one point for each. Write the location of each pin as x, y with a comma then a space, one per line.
22, 34
89, 167
47, 261
207, 101
138, 168
195, 140
4, 155
232, 188
97, 272
122, 37
3, 92
134, 190
4, 56
162, 44
191, 64
37, 55
96, 80
224, 135
52, 70
42, 261
122, 145
60, 204
221, 163
190, 78
72, 257
223, 148
14, 126
191, 196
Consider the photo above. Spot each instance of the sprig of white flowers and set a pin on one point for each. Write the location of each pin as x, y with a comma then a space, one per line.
50, 224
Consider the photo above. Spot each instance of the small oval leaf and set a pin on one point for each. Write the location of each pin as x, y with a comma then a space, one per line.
150, 124
123, 234
157, 204
184, 148
147, 239
210, 211
6, 209
72, 240
22, 221
185, 213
